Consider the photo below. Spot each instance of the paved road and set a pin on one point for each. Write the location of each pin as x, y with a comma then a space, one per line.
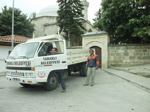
110, 94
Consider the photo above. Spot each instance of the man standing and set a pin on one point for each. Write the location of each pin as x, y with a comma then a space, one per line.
60, 74
91, 66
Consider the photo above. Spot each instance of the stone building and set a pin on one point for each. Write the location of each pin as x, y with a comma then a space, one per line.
46, 23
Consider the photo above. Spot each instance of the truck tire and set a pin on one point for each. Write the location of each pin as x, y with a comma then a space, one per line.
83, 71
25, 85
52, 82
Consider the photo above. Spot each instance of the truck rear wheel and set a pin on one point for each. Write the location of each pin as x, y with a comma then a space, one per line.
52, 82
83, 71
25, 85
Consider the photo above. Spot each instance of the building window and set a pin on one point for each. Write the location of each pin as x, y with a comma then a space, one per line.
90, 30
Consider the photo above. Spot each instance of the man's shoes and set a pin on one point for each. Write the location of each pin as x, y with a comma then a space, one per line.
85, 84
92, 84
64, 90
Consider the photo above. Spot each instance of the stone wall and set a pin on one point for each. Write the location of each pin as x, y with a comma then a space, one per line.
129, 54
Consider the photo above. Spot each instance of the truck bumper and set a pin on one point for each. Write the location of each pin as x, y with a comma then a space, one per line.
25, 77
22, 80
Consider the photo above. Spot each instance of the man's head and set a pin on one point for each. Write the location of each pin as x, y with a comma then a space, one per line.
91, 51
52, 51
56, 50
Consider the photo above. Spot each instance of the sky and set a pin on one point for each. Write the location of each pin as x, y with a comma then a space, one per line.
30, 6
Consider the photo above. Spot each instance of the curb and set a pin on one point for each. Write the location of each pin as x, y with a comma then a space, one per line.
141, 86
137, 73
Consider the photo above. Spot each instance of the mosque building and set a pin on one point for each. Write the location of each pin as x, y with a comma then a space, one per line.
46, 21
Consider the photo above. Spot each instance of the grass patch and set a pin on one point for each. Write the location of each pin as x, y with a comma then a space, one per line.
147, 76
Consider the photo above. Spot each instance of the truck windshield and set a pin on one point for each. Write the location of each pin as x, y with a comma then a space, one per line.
26, 50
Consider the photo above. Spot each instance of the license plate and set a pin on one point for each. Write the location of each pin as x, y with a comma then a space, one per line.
15, 79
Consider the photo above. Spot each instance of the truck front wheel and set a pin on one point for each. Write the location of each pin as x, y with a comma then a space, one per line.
52, 82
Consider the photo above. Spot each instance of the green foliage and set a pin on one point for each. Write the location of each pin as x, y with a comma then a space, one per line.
32, 16
127, 21
22, 25
69, 11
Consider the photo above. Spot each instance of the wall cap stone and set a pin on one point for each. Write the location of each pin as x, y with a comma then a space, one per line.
118, 45
94, 33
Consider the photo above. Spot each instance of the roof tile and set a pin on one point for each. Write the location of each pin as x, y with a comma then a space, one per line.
17, 38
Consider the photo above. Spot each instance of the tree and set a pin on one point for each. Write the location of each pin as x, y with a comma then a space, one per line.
69, 11
127, 21
32, 16
22, 25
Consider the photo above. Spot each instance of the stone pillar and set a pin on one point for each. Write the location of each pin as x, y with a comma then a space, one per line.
100, 39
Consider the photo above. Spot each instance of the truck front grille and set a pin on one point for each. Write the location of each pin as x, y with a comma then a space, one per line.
17, 74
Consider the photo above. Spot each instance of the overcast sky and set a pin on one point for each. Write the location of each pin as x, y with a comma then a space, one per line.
30, 6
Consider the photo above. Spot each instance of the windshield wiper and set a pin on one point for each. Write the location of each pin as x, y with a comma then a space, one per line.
11, 57
22, 57
25, 57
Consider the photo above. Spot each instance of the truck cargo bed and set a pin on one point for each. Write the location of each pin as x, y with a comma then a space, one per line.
75, 56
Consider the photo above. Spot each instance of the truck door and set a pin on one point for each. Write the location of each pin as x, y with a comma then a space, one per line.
47, 61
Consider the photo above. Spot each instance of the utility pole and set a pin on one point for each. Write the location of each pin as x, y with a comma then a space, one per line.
69, 38
12, 41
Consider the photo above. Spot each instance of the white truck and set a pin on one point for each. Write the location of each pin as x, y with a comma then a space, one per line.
31, 62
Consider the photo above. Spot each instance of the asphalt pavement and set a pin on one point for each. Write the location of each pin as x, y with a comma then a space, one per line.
109, 94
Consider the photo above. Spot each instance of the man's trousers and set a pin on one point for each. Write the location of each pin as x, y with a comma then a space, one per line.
91, 75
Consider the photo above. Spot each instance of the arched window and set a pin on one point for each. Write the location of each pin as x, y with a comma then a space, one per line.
90, 30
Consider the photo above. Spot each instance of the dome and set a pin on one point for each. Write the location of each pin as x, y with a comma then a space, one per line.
48, 11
